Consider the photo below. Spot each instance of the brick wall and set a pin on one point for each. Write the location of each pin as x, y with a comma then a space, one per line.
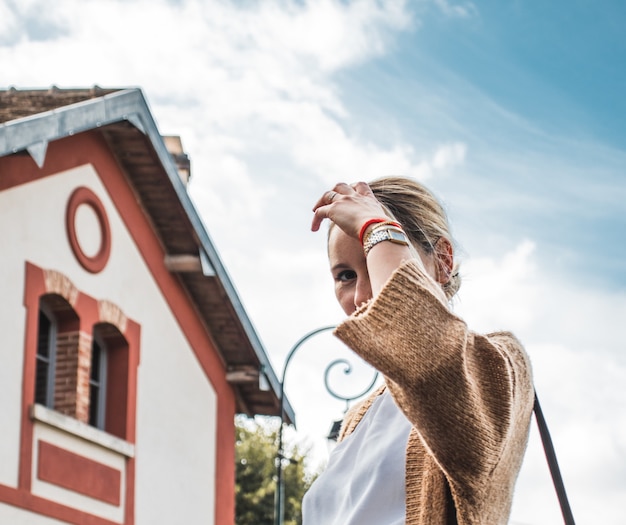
73, 362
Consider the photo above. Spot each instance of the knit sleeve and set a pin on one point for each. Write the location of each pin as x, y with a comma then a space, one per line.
465, 394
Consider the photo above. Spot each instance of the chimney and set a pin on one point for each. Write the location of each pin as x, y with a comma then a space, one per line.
175, 147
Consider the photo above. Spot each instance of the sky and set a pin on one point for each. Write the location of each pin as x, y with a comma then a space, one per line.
511, 111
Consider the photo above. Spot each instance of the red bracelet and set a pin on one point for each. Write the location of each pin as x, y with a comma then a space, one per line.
374, 221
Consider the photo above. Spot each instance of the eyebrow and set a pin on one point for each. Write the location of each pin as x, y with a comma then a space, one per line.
340, 266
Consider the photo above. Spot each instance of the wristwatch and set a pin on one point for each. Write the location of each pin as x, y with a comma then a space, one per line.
386, 233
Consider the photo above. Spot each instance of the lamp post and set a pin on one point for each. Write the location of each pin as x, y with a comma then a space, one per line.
279, 498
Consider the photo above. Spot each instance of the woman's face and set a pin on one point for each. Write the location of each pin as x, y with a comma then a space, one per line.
349, 270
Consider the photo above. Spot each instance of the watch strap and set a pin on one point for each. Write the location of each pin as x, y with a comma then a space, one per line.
384, 233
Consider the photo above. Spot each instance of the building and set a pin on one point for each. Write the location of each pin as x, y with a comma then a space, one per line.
126, 352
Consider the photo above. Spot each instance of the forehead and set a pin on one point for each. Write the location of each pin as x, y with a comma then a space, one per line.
343, 249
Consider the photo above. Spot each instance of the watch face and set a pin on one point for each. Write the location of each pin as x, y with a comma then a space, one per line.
397, 236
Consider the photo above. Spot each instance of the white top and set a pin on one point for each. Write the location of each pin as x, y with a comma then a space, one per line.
364, 481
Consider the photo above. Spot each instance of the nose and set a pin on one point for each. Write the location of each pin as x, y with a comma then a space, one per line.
362, 292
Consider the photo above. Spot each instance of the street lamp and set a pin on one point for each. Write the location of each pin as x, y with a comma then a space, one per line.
279, 498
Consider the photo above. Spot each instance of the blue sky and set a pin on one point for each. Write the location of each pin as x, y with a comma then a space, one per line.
520, 80
511, 111
558, 63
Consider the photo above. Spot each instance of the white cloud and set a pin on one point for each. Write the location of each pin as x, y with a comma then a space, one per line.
507, 303
334, 34
8, 23
250, 88
464, 10
445, 158
449, 155
583, 399
568, 329
213, 67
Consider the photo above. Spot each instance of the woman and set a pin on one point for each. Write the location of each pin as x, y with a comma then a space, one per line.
442, 441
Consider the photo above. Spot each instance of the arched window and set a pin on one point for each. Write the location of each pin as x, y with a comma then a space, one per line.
98, 381
56, 372
46, 357
108, 385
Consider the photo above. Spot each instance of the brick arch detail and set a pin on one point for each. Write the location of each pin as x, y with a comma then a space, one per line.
109, 312
58, 283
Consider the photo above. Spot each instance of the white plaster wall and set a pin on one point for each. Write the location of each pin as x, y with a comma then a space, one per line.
15, 516
176, 411
13, 234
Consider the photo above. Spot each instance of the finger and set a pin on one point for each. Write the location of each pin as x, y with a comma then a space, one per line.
326, 199
341, 188
320, 214
321, 209
362, 188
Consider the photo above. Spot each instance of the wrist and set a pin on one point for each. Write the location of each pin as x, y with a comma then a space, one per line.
372, 224
378, 233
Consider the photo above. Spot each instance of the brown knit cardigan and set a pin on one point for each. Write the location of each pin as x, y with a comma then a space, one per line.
469, 399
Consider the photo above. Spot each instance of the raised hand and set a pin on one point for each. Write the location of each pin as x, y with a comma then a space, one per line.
349, 207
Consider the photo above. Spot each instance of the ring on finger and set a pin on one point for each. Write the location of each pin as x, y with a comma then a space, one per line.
331, 196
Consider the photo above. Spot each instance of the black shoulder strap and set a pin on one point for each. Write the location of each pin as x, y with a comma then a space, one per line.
548, 447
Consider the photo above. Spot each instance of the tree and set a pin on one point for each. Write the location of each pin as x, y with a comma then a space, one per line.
255, 452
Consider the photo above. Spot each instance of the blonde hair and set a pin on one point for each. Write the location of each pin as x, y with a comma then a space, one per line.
421, 215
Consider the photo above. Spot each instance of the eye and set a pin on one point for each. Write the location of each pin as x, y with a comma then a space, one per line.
345, 276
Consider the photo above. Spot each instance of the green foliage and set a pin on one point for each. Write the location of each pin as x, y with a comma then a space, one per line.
256, 449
